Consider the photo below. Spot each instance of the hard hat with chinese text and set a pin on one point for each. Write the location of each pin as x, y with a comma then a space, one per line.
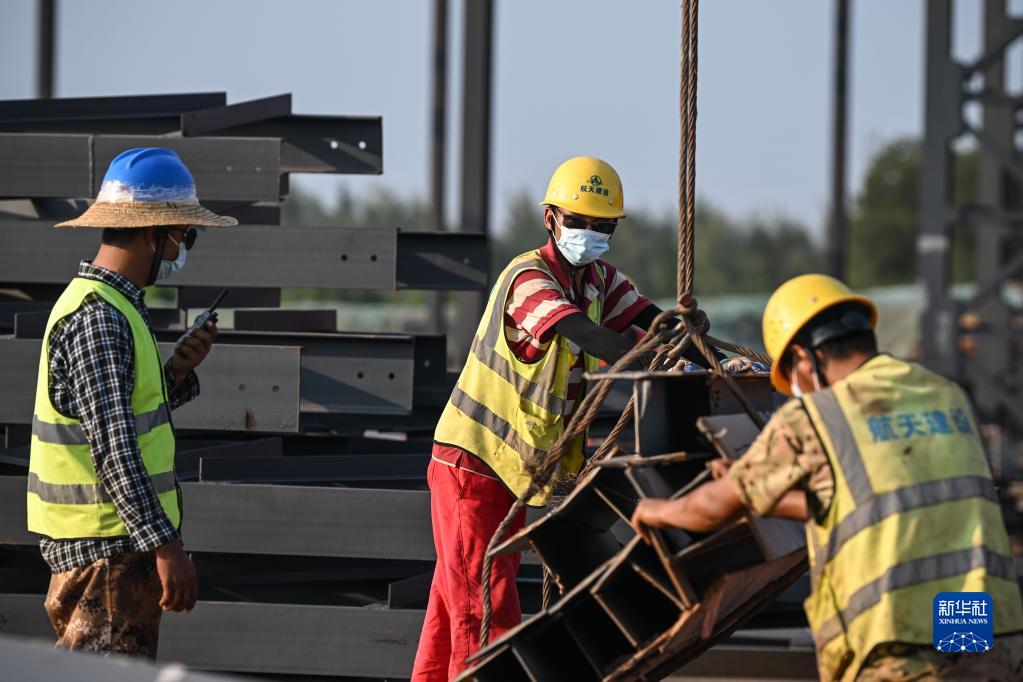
587, 186
792, 306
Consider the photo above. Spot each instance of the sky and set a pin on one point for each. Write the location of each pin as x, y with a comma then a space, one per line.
596, 78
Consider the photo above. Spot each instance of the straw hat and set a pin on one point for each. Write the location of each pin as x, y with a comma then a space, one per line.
147, 187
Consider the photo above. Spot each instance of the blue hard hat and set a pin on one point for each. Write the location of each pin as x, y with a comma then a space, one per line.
148, 174
148, 187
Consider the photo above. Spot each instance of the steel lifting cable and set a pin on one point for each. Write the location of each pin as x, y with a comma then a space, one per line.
663, 343
687, 152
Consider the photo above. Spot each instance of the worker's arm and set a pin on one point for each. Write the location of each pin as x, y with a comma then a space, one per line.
600, 342
793, 506
609, 345
707, 508
647, 316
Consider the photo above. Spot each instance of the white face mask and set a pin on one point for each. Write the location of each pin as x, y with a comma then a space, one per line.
797, 392
580, 247
169, 267
794, 383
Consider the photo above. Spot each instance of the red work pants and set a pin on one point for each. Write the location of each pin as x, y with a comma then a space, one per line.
466, 507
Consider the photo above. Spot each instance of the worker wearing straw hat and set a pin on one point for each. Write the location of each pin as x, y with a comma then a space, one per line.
101, 487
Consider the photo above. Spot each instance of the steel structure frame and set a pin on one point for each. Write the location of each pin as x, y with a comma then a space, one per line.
975, 341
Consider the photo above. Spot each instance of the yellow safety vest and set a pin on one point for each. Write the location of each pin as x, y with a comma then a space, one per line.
508, 412
914, 513
65, 497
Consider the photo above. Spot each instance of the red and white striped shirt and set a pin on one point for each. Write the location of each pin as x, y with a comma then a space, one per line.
537, 302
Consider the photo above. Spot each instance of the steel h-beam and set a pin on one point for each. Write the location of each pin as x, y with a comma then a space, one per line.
352, 258
476, 100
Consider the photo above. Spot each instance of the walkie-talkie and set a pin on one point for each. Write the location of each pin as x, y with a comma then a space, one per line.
204, 317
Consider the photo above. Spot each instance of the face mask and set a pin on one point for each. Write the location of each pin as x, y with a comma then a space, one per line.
796, 391
580, 247
169, 267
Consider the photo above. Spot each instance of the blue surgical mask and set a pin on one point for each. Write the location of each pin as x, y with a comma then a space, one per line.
580, 247
169, 267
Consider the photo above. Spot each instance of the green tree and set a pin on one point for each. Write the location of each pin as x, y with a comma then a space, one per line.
885, 220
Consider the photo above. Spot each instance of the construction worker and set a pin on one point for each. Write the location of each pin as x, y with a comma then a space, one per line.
882, 460
553, 314
101, 486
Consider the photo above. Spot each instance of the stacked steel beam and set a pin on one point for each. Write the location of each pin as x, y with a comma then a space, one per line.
304, 569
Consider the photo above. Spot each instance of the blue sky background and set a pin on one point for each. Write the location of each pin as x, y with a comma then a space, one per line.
599, 77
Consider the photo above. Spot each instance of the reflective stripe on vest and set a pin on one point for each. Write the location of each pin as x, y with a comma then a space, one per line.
914, 572
481, 414
527, 388
65, 497
89, 493
73, 434
876, 555
508, 412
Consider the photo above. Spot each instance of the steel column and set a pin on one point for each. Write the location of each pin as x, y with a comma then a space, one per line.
438, 141
837, 241
476, 101
46, 29
999, 127
942, 122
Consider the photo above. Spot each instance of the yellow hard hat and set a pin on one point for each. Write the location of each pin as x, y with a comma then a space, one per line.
795, 303
588, 186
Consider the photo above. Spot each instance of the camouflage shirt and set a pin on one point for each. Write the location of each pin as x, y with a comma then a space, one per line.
786, 455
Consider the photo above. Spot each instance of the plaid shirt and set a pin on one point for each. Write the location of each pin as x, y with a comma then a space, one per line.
92, 376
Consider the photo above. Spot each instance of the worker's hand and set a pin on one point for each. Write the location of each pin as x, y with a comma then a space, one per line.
193, 350
648, 515
699, 318
177, 577
719, 467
